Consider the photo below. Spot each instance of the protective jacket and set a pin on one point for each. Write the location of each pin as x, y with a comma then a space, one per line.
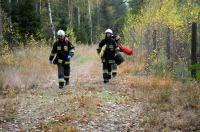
110, 50
60, 51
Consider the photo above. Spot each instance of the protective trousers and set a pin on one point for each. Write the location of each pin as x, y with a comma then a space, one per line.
109, 69
114, 70
63, 74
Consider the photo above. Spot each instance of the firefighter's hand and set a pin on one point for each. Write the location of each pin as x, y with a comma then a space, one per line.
51, 62
98, 51
117, 37
69, 57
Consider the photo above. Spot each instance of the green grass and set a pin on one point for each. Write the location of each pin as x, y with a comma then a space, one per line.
82, 60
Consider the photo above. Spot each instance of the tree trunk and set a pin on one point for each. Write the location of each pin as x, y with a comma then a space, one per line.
90, 21
68, 3
51, 21
40, 6
194, 48
168, 47
154, 39
98, 14
10, 18
79, 17
1, 24
70, 12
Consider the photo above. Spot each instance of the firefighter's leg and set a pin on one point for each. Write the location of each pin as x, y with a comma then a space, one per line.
110, 67
61, 75
105, 72
114, 70
66, 73
109, 70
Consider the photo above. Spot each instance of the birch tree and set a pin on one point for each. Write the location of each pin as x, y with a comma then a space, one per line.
90, 21
79, 17
1, 25
40, 6
50, 20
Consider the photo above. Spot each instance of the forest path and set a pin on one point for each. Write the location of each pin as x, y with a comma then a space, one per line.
87, 104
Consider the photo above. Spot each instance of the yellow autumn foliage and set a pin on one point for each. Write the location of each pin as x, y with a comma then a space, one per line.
160, 15
6, 57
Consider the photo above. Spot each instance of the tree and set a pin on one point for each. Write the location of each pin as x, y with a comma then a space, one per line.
28, 20
50, 20
1, 24
135, 6
90, 21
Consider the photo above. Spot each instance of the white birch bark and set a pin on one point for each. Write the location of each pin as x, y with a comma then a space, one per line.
90, 21
51, 21
40, 6
79, 17
1, 24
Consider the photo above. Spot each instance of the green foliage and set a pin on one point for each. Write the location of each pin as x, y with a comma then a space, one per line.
20, 20
197, 68
28, 19
135, 6
110, 14
81, 35
71, 36
180, 72
159, 16
158, 65
5, 52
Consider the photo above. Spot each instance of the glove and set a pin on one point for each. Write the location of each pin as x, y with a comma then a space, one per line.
117, 37
98, 51
69, 57
51, 62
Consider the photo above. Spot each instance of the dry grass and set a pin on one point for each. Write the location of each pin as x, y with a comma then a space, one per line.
168, 105
132, 67
8, 110
31, 69
85, 53
80, 106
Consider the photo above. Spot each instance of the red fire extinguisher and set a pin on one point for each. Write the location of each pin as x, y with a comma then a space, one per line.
127, 51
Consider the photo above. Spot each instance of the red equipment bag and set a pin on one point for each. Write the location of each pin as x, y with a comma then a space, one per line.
127, 51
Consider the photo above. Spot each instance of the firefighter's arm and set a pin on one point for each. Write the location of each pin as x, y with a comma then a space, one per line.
71, 50
116, 48
53, 52
101, 44
117, 39
102, 50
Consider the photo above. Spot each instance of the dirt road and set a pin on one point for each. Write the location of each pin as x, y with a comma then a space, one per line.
87, 104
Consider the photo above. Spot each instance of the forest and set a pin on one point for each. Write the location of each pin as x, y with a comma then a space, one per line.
156, 89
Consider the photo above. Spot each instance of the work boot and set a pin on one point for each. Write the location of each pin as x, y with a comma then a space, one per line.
106, 81
67, 83
114, 75
61, 87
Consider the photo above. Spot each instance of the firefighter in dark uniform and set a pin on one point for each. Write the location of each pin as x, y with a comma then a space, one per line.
107, 50
61, 54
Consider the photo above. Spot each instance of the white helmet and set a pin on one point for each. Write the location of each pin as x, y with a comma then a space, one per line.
108, 31
61, 33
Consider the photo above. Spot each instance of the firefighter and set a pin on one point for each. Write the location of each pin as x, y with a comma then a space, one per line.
61, 54
107, 50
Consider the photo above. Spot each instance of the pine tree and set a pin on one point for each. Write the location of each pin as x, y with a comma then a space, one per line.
28, 19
